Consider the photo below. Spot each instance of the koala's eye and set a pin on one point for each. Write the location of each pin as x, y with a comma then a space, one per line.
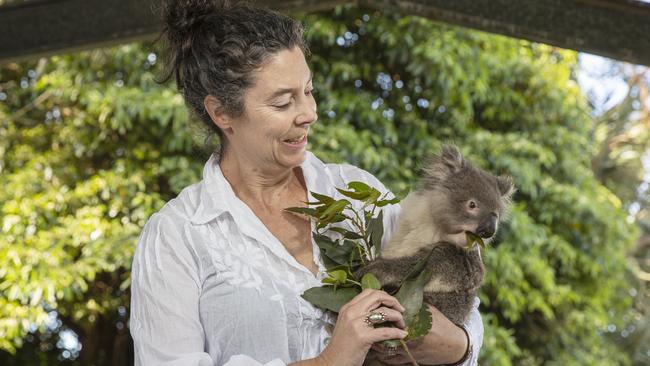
472, 204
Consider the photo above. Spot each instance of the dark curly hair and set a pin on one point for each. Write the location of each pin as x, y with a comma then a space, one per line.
212, 48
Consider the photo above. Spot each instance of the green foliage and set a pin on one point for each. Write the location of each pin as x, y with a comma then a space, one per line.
622, 142
90, 146
89, 149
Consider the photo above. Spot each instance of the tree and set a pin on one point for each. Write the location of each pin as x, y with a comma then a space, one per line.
91, 146
622, 143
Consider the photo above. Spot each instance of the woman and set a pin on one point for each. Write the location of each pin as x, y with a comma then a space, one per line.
218, 271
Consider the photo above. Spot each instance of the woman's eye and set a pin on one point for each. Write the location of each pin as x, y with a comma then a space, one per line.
283, 106
310, 92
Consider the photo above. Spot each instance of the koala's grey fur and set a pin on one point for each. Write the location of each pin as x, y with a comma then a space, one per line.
435, 217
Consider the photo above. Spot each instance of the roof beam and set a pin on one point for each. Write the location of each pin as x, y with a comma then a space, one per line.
618, 29
41, 28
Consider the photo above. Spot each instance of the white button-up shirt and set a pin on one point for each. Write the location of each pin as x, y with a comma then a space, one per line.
211, 285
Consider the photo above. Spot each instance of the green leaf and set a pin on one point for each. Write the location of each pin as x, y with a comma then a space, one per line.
322, 198
376, 231
303, 210
326, 297
336, 277
372, 197
421, 323
369, 280
333, 209
411, 296
411, 292
359, 186
337, 253
473, 239
354, 260
339, 217
359, 196
383, 203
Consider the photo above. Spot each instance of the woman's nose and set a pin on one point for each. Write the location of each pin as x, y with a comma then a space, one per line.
307, 113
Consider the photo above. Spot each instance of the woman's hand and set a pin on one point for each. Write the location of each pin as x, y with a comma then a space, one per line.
445, 343
352, 337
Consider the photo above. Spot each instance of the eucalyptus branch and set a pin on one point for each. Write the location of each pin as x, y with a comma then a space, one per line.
408, 352
363, 232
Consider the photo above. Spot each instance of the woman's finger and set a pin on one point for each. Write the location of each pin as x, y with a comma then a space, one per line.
378, 299
390, 315
362, 295
384, 333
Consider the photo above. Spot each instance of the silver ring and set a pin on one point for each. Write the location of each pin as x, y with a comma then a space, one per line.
391, 351
375, 317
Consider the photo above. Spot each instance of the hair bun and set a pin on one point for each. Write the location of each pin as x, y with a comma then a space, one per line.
183, 17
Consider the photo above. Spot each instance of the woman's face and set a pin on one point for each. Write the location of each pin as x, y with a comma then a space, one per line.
279, 109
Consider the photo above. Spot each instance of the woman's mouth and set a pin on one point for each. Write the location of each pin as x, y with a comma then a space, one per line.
298, 141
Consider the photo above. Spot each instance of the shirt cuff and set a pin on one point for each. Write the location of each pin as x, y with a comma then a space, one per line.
474, 327
243, 360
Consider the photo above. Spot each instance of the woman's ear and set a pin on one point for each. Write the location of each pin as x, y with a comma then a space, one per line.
216, 112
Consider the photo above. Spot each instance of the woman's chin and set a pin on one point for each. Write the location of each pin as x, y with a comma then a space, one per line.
293, 155
296, 159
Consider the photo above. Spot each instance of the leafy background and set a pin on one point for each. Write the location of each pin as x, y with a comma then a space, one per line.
91, 146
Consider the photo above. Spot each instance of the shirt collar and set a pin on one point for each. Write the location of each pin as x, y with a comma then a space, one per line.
217, 196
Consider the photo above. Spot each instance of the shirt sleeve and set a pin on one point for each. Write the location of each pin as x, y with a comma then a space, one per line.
474, 326
165, 289
164, 321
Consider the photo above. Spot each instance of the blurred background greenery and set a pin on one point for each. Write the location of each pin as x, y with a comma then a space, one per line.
91, 146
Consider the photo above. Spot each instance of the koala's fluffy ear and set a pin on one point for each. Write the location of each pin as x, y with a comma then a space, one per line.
506, 187
440, 167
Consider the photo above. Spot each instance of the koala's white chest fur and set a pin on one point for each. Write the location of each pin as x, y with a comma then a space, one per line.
417, 229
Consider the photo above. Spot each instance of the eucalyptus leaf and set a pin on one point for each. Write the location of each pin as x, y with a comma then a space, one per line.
421, 323
322, 198
473, 239
337, 276
326, 297
411, 296
359, 196
372, 197
369, 280
303, 210
333, 249
392, 201
330, 213
359, 186
376, 230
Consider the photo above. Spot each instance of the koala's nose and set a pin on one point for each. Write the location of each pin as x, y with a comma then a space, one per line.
487, 228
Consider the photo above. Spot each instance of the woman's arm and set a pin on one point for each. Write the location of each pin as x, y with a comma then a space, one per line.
165, 287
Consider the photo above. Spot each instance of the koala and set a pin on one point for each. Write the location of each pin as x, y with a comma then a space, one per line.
452, 197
